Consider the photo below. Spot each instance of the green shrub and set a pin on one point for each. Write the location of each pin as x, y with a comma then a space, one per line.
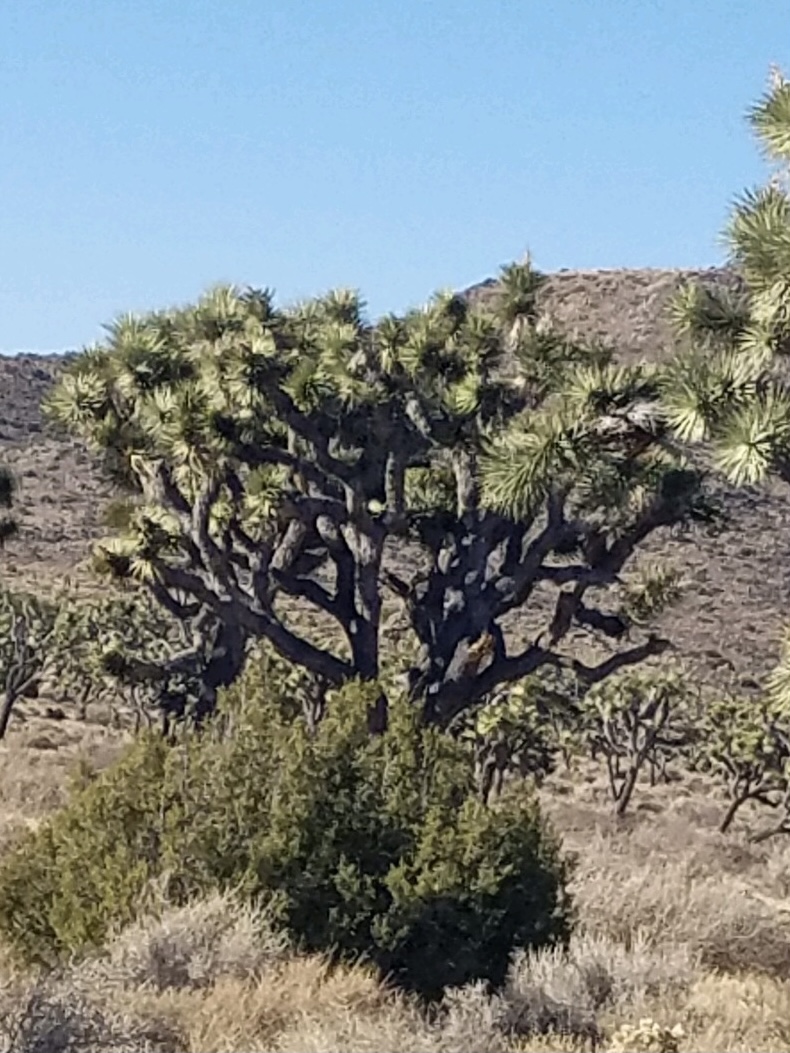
364, 846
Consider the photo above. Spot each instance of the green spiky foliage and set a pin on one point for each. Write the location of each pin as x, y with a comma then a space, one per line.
276, 459
729, 387
633, 720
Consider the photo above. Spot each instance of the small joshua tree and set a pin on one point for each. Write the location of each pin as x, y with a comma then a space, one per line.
745, 744
86, 649
285, 466
630, 720
27, 631
113, 647
511, 733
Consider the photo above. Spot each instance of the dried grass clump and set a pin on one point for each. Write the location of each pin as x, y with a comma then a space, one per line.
305, 1004
725, 922
54, 1017
203, 979
245, 995
564, 991
194, 946
738, 1014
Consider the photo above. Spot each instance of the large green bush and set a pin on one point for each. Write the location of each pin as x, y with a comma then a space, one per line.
367, 846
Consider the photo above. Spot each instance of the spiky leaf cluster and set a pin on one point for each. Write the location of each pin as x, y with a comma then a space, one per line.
650, 591
741, 739
599, 437
730, 386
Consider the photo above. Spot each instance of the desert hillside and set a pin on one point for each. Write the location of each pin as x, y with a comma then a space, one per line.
626, 308
739, 580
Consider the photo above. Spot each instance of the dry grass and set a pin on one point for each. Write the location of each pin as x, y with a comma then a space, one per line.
36, 760
217, 938
304, 1006
56, 1017
725, 921
551, 1002
566, 990
667, 876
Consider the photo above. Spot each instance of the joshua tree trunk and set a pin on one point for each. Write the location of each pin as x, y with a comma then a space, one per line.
9, 700
225, 663
732, 811
627, 789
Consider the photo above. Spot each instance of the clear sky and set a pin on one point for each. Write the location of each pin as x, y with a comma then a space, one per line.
153, 147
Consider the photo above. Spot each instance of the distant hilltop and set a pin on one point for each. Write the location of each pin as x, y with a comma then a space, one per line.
627, 308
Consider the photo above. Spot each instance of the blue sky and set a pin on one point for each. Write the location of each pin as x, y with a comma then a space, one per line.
153, 147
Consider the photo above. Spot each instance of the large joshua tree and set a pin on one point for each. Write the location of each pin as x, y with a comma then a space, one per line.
279, 457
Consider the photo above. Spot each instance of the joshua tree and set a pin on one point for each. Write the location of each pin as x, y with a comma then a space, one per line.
512, 733
745, 742
633, 720
27, 631
83, 649
746, 746
299, 459
112, 648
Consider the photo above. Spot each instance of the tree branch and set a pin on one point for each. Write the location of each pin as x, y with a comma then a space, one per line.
456, 695
655, 645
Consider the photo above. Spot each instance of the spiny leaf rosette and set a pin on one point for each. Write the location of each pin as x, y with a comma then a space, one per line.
303, 457
730, 386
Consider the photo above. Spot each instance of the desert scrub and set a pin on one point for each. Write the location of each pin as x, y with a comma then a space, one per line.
54, 1016
219, 937
373, 846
